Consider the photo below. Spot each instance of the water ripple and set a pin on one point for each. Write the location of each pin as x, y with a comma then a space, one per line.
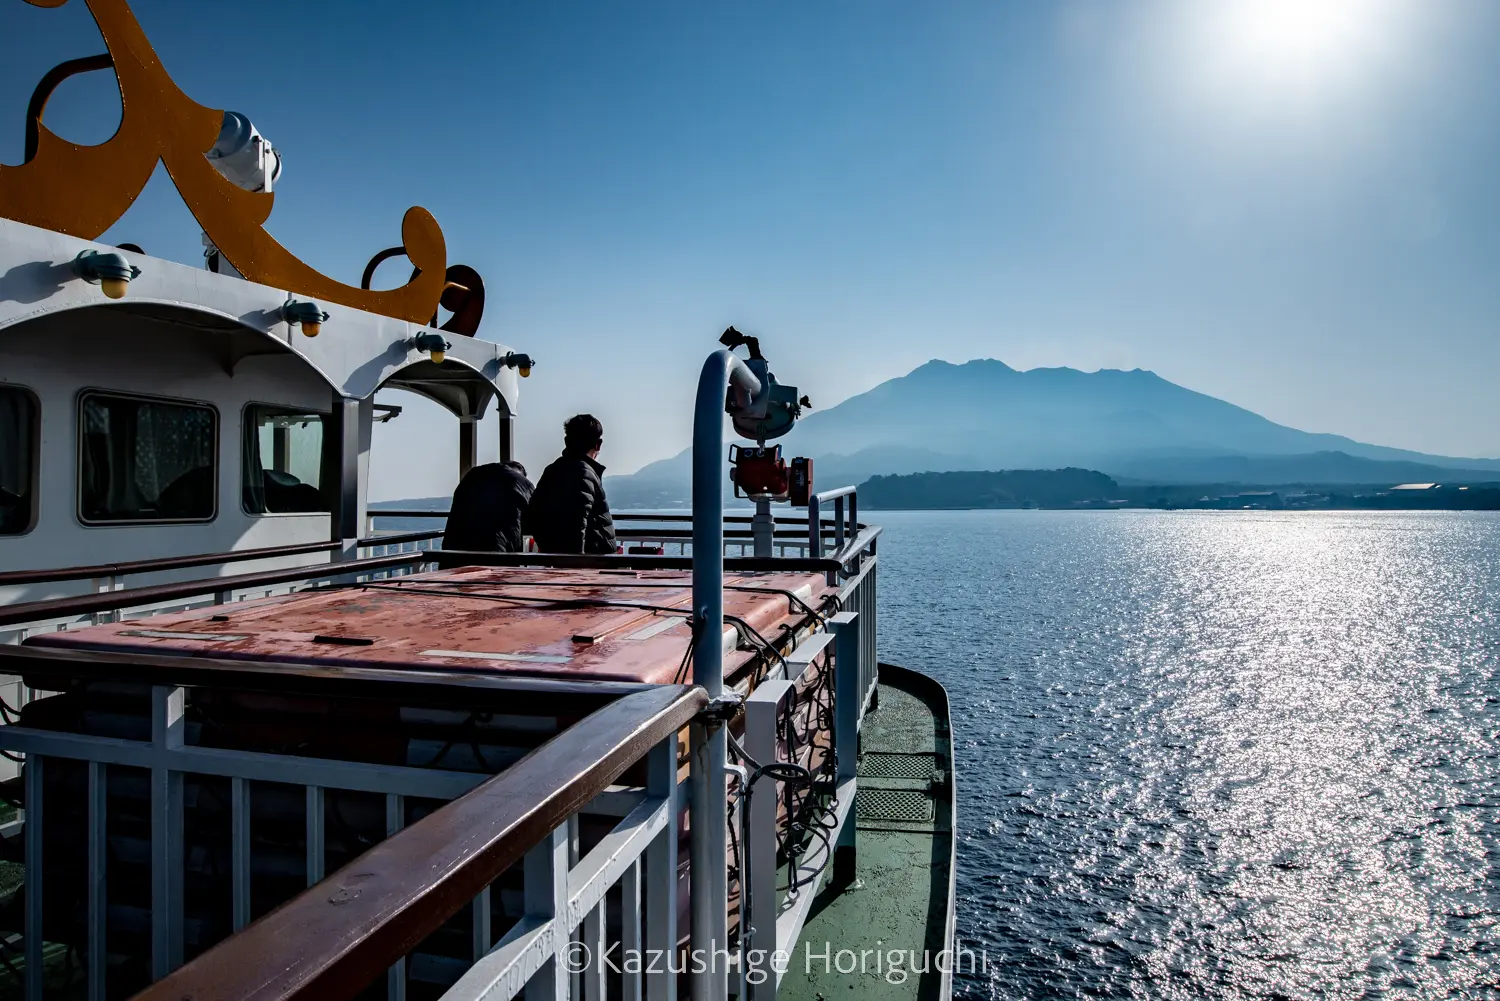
1207, 755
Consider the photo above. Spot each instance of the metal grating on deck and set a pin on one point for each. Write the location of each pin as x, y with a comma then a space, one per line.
897, 765
894, 804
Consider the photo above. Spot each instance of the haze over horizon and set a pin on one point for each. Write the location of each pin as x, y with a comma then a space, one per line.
1286, 204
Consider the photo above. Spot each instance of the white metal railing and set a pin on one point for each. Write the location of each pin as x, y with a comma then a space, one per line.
564, 902
564, 898
211, 594
565, 917
673, 543
772, 921
844, 529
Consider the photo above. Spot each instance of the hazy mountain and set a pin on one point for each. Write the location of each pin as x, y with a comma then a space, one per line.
985, 415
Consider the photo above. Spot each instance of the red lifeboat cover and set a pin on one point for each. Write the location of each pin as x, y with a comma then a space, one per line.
594, 625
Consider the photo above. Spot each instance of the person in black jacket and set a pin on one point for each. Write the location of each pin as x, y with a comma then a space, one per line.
487, 508
568, 512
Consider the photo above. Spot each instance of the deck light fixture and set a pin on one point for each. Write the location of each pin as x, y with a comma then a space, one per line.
110, 271
521, 363
308, 315
433, 344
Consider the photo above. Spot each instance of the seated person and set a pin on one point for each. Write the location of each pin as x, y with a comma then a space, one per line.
15, 512
487, 508
191, 495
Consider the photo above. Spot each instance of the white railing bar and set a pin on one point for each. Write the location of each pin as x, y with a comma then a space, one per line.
601, 867
34, 889
98, 901
520, 961
483, 938
790, 921
660, 875
168, 731
848, 691
762, 709
630, 925
314, 839
593, 938
239, 848
545, 875
395, 819
353, 776
807, 651
616, 801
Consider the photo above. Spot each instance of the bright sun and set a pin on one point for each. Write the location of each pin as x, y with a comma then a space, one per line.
1294, 32
1292, 46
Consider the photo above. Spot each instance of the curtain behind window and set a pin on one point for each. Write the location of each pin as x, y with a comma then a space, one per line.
17, 459
146, 460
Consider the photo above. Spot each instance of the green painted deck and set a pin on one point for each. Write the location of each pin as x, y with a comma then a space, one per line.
901, 901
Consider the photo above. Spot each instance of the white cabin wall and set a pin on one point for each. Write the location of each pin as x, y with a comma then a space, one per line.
109, 349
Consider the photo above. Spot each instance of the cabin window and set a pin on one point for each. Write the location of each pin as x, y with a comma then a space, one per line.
283, 460
143, 459
18, 441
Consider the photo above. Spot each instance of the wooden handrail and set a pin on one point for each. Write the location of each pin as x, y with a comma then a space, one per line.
10, 577
333, 939
108, 601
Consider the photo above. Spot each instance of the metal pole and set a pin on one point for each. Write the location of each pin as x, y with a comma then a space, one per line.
349, 433
814, 528
507, 437
709, 881
468, 446
763, 528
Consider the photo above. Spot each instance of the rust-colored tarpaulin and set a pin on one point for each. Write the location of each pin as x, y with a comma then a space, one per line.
562, 624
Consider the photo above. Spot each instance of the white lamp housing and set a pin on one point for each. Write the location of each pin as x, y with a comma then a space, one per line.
248, 160
245, 156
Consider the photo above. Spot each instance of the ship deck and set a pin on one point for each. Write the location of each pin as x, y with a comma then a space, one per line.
901, 898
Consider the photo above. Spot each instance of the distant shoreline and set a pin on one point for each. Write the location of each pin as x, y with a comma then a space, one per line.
1087, 489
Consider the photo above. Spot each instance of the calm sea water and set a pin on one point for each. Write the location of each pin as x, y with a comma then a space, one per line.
1215, 755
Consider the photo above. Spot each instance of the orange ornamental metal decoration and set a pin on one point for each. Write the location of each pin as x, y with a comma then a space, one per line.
82, 190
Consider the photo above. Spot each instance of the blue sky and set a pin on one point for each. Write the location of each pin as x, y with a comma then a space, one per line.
1298, 212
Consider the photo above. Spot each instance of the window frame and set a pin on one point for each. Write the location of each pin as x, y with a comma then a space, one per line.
215, 451
326, 417
35, 514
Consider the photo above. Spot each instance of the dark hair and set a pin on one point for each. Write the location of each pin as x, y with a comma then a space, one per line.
583, 433
517, 467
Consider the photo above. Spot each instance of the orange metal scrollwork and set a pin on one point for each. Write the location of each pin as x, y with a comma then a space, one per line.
82, 190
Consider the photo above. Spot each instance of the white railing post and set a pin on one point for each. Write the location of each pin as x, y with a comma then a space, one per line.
98, 904
395, 975
814, 528
35, 892
848, 699
661, 876
758, 903
546, 899
168, 733
239, 851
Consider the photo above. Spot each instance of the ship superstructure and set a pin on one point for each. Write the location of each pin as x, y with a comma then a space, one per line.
260, 749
